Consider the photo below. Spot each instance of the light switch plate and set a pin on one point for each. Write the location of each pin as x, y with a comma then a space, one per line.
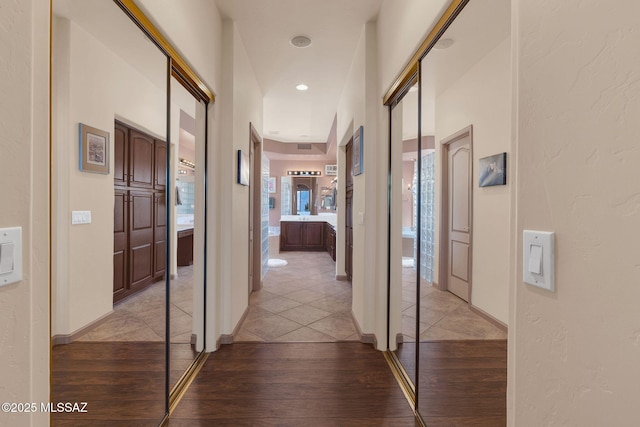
11, 236
80, 217
533, 241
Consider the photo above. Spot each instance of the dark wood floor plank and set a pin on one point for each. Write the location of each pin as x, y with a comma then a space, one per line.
463, 383
122, 383
320, 384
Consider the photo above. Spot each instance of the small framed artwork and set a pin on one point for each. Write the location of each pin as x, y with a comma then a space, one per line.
272, 184
493, 170
243, 168
357, 153
94, 150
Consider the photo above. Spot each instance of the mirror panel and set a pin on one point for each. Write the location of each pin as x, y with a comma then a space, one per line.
465, 80
187, 179
108, 287
404, 154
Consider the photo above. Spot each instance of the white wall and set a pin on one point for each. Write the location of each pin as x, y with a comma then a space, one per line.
358, 106
402, 26
24, 142
83, 280
195, 30
482, 98
350, 116
241, 101
574, 354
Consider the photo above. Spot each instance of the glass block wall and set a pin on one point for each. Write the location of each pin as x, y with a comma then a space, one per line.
264, 220
427, 220
428, 217
187, 197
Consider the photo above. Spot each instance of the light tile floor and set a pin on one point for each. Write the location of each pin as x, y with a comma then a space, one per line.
300, 302
141, 317
443, 316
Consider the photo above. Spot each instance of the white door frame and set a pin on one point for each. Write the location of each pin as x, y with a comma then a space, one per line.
444, 208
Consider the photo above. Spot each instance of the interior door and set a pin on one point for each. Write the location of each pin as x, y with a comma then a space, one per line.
459, 202
348, 235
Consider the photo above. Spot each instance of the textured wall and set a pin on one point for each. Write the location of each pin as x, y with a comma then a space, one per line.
575, 353
24, 163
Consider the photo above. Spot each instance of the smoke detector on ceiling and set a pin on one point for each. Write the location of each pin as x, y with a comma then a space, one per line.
300, 41
443, 44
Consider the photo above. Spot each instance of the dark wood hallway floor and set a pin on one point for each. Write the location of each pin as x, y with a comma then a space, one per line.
282, 384
294, 384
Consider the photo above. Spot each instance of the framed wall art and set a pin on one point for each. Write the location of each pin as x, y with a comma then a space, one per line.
357, 154
94, 150
243, 168
493, 170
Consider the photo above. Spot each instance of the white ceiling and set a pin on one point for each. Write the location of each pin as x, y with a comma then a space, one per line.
479, 29
266, 26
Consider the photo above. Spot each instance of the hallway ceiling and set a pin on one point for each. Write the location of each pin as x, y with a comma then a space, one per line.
266, 27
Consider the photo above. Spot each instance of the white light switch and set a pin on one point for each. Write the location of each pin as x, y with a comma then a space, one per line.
535, 259
10, 255
6, 257
538, 259
361, 218
80, 217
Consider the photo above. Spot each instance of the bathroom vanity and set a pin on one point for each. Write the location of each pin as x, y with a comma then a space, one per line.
308, 233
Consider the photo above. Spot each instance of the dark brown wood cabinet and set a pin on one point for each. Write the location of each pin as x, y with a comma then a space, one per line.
330, 240
308, 236
313, 236
185, 247
159, 234
291, 236
120, 243
140, 222
302, 236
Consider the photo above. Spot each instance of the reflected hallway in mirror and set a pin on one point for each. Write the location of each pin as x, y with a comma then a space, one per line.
108, 288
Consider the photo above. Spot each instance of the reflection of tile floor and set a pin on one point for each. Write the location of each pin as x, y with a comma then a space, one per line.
300, 302
142, 316
443, 316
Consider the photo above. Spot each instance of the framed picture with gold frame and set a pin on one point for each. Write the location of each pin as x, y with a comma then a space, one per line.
94, 150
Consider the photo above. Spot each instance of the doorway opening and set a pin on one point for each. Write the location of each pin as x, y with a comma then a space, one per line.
300, 298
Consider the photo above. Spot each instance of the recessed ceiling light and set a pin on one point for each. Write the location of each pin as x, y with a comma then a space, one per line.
443, 44
300, 41
302, 87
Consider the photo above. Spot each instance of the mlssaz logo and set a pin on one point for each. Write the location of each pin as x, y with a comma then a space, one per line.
64, 407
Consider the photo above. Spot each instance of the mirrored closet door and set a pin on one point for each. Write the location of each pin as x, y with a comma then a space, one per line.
128, 179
